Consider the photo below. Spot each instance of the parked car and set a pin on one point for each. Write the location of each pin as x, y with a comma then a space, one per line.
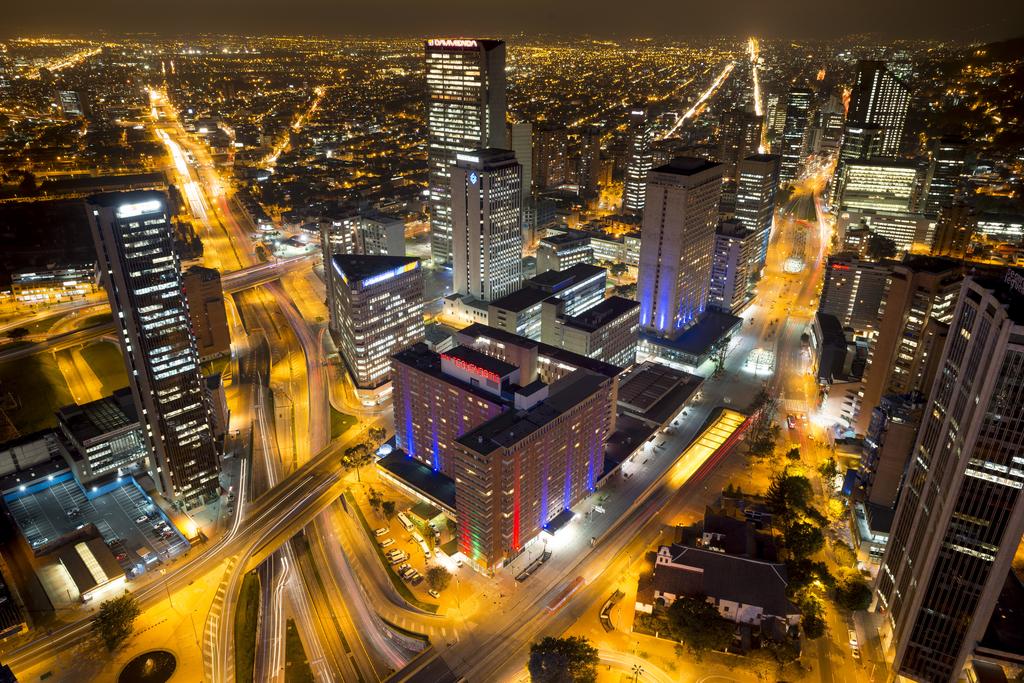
381, 531
140, 520
386, 542
433, 593
791, 422
417, 580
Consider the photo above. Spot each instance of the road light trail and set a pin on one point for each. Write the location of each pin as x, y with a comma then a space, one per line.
693, 111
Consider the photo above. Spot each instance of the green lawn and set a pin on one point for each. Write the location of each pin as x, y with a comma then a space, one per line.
106, 361
396, 580
95, 319
296, 665
37, 388
246, 617
340, 422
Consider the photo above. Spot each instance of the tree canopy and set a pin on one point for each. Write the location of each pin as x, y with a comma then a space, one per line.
563, 660
696, 622
115, 621
438, 577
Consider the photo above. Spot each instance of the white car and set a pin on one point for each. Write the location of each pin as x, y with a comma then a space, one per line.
433, 593
386, 542
381, 531
140, 520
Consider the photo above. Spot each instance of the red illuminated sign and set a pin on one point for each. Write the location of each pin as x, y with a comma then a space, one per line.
839, 266
469, 367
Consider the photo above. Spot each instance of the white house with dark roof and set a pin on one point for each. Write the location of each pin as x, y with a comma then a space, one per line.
744, 590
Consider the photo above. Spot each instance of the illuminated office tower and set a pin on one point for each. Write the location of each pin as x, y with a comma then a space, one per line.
677, 239
794, 133
520, 141
945, 174
141, 272
739, 135
878, 185
638, 162
880, 98
960, 515
588, 160
755, 200
378, 311
487, 237
550, 156
465, 111
853, 291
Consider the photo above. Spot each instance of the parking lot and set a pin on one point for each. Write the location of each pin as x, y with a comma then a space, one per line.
137, 532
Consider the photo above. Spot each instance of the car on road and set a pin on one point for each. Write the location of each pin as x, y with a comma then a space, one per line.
853, 638
458, 563
433, 593
386, 542
598, 508
381, 531
791, 422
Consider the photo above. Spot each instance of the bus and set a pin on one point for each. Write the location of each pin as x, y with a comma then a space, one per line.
423, 544
404, 521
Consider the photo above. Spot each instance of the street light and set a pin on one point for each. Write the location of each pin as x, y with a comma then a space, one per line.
637, 672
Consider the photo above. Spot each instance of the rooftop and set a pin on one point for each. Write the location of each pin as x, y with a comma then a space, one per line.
361, 267
567, 237
554, 281
100, 417
481, 360
603, 313
700, 338
420, 357
433, 485
762, 157
687, 166
831, 329
521, 299
478, 331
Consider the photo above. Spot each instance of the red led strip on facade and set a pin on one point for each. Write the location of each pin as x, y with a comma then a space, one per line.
469, 367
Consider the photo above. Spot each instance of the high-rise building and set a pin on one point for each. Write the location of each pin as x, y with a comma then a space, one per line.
880, 98
878, 185
676, 243
487, 236
853, 291
888, 445
141, 272
638, 161
775, 118
735, 256
793, 145
954, 230
378, 311
607, 331
755, 200
739, 136
826, 135
104, 437
861, 142
207, 312
465, 111
588, 166
380, 234
519, 426
562, 251
520, 141
914, 315
579, 288
550, 156
960, 516
945, 182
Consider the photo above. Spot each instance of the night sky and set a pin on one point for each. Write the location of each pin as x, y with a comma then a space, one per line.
949, 19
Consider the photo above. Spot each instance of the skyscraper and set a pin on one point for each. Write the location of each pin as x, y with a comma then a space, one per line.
961, 513
638, 162
141, 272
550, 156
880, 98
945, 174
739, 135
487, 238
378, 311
731, 266
465, 111
520, 141
794, 133
853, 291
755, 200
676, 242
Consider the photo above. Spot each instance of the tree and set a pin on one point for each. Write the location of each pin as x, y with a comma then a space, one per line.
793, 453
438, 577
812, 620
17, 333
563, 660
388, 507
618, 269
27, 186
852, 591
696, 622
829, 470
788, 494
115, 621
880, 247
357, 456
376, 435
803, 539
376, 500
